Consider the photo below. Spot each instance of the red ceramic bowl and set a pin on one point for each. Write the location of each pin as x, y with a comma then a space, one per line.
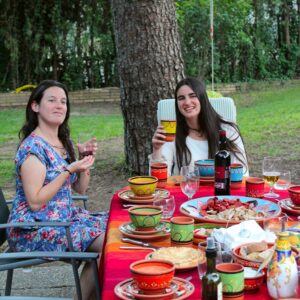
253, 281
294, 193
152, 276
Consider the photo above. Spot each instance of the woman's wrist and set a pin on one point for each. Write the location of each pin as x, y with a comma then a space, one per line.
68, 171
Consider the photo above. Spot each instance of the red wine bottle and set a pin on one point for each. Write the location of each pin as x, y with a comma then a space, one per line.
222, 167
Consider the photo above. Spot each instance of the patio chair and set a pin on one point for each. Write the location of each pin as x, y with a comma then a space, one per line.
225, 107
10, 260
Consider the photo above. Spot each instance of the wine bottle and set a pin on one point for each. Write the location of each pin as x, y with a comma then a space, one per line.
222, 167
211, 281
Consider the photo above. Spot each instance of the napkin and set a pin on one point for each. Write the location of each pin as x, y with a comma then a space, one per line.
245, 232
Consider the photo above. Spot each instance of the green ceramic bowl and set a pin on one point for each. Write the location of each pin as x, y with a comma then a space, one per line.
145, 217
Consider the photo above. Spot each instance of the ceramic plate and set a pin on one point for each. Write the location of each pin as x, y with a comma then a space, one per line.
154, 236
189, 209
285, 207
289, 203
128, 194
132, 229
184, 290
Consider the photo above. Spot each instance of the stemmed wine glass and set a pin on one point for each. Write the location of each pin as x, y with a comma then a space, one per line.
271, 172
189, 182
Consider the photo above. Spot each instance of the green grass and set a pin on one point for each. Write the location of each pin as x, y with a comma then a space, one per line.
269, 121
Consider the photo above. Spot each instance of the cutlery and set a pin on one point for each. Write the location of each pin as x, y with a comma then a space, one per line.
131, 241
136, 248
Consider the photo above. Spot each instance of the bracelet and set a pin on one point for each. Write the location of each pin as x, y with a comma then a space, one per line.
66, 169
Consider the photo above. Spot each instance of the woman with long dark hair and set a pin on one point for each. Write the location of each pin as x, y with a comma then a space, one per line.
46, 170
196, 130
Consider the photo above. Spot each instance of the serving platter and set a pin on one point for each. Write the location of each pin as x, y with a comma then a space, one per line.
128, 196
184, 289
189, 208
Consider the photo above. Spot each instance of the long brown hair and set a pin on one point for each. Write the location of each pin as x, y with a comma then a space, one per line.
209, 122
31, 121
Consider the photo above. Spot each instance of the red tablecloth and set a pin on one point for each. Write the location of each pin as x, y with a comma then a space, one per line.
115, 267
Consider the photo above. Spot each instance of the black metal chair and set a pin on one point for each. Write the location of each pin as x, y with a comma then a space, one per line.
10, 260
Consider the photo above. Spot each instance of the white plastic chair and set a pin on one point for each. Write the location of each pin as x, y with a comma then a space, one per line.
225, 107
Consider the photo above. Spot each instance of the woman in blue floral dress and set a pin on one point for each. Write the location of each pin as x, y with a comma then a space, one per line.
46, 171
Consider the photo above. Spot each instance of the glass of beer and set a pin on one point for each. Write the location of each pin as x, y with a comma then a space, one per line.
271, 173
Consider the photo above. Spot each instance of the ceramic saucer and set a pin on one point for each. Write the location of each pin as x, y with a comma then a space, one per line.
289, 203
283, 204
136, 197
184, 289
160, 227
127, 196
166, 232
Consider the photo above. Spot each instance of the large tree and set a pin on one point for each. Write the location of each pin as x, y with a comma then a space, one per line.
149, 65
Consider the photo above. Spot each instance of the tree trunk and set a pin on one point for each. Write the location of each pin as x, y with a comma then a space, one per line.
149, 64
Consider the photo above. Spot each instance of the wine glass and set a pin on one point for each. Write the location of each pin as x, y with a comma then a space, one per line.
189, 181
271, 172
276, 224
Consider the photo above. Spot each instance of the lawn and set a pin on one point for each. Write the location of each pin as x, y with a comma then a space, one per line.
269, 122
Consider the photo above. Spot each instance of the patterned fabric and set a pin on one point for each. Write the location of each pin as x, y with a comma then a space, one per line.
84, 227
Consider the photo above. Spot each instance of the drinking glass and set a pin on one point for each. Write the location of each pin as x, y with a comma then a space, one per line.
189, 181
284, 181
271, 172
276, 224
223, 256
167, 205
85, 148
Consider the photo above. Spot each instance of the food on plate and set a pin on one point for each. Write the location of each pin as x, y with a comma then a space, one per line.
181, 257
204, 231
230, 209
256, 251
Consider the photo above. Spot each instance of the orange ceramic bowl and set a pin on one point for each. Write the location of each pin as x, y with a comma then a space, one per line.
294, 193
253, 281
152, 276
143, 185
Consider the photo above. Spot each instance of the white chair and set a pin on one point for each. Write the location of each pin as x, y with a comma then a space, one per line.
225, 107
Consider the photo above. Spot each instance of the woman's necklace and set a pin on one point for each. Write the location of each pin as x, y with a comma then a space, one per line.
199, 133
61, 150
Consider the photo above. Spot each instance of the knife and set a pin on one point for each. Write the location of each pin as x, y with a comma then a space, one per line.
135, 242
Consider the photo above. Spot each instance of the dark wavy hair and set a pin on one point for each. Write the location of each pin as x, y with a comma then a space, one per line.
31, 121
209, 122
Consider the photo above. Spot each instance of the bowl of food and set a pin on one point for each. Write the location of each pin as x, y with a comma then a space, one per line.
203, 230
253, 280
152, 276
253, 254
294, 193
143, 186
145, 217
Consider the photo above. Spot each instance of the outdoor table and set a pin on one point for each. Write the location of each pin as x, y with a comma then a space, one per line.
115, 261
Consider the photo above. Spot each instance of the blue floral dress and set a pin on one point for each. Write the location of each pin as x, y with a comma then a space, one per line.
84, 227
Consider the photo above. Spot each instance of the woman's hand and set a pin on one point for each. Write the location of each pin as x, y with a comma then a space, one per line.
90, 147
158, 138
81, 165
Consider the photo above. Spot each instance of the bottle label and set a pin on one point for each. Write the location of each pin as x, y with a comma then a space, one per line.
222, 172
219, 291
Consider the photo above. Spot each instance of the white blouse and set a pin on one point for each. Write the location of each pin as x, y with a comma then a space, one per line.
199, 150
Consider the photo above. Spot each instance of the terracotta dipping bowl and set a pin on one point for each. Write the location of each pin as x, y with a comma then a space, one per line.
143, 185
145, 217
152, 276
294, 193
253, 281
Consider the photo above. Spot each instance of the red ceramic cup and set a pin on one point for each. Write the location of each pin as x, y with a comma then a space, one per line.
255, 187
159, 170
294, 193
